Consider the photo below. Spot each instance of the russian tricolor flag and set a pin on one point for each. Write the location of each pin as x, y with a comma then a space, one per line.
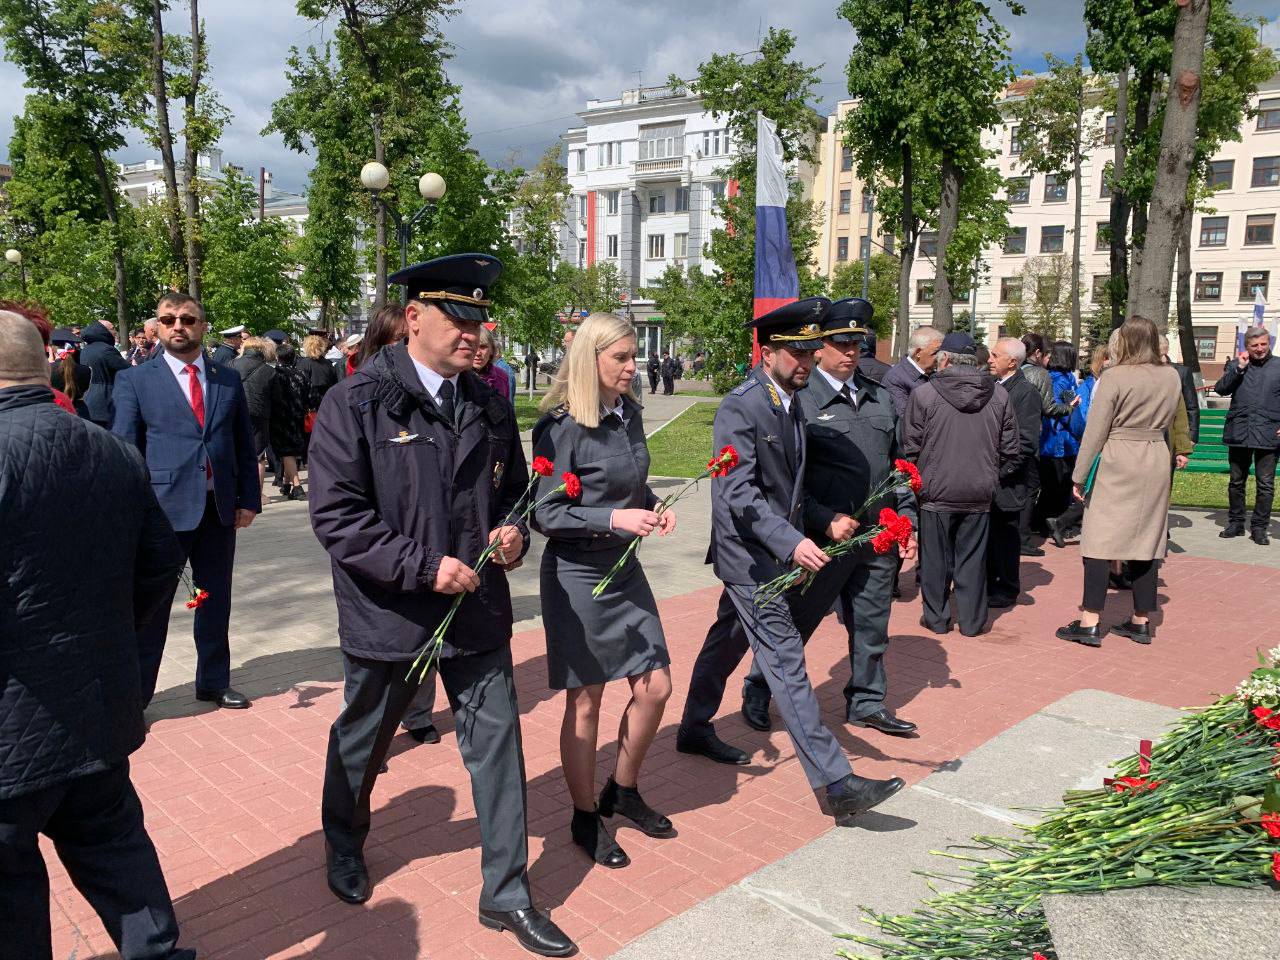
1257, 320
776, 281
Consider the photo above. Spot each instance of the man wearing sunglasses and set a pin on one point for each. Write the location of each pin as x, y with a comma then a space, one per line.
189, 417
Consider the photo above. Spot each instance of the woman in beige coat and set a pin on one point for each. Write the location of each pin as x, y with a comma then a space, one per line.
1127, 507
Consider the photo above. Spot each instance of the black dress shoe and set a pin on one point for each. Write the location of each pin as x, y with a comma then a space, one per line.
885, 722
1030, 552
1001, 603
534, 930
627, 802
942, 633
1230, 532
1137, 632
348, 878
1089, 636
1260, 538
427, 734
227, 698
590, 833
1057, 533
855, 795
711, 747
755, 707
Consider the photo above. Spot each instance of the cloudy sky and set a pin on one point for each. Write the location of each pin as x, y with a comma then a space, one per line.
526, 66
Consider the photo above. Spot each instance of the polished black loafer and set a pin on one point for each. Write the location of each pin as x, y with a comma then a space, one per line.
1089, 636
713, 748
228, 698
1137, 632
427, 734
1260, 538
348, 878
855, 795
1030, 552
885, 722
1230, 532
755, 708
534, 930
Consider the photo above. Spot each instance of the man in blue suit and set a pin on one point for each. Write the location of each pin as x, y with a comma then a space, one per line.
189, 417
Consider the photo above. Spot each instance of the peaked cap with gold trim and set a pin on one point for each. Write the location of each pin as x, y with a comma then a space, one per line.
847, 320
458, 284
796, 325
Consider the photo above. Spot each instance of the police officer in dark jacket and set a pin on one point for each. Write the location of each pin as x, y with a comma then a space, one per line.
70, 702
415, 465
1252, 431
756, 536
226, 352
1016, 487
851, 443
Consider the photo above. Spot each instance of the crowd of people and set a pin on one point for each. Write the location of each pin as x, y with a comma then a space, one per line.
417, 475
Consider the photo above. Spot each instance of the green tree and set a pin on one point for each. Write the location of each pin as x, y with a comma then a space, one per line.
882, 291
1042, 303
701, 306
327, 251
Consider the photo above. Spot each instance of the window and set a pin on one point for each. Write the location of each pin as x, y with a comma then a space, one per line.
842, 248
1055, 188
1010, 289
924, 291
682, 199
886, 241
611, 246
846, 159
1252, 282
846, 197
1206, 342
582, 206
1221, 173
1269, 115
717, 190
1109, 134
579, 161
1213, 231
928, 244
1048, 290
1104, 192
1019, 189
864, 247
715, 143
1100, 281
661, 141
657, 246
1208, 286
1266, 172
1051, 239
866, 202
680, 245
1103, 241
582, 253
609, 154
658, 202
1259, 229
1016, 240
611, 201
1015, 140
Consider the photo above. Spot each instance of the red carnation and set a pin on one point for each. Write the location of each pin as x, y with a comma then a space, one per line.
1039, 956
1267, 718
888, 517
902, 530
1271, 824
197, 599
912, 473
883, 541
1136, 784
572, 485
543, 467
1275, 867
723, 462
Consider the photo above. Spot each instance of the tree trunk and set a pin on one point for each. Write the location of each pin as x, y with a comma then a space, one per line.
908, 255
1119, 212
107, 187
159, 91
379, 226
190, 159
1186, 333
1150, 296
1143, 103
948, 217
1075, 239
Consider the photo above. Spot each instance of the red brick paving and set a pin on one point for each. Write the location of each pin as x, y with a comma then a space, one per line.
232, 797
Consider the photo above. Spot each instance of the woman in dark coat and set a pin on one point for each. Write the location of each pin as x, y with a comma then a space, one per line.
257, 373
288, 411
319, 375
593, 428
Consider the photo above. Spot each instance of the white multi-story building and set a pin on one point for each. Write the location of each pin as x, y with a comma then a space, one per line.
144, 180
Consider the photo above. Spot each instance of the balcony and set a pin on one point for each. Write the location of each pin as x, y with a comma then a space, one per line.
656, 171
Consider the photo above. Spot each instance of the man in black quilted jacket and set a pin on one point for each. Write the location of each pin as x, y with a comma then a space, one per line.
70, 698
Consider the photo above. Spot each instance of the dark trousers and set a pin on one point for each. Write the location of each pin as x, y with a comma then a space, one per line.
1004, 555
95, 823
953, 550
1028, 510
1072, 519
1141, 572
1055, 487
482, 695
1264, 464
211, 549
861, 585
653, 381
668, 385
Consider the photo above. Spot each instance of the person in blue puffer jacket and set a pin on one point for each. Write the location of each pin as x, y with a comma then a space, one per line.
1066, 525
1058, 446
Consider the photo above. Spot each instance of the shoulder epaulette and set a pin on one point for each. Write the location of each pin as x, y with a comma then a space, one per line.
558, 413
743, 387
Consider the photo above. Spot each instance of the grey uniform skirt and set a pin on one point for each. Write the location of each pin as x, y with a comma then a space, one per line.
591, 640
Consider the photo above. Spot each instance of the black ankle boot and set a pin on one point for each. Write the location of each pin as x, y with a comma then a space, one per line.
590, 833
628, 802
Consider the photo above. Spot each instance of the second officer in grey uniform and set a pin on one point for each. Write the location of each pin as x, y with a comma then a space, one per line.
755, 537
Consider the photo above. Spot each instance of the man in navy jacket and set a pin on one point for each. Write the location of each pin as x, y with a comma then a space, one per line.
190, 419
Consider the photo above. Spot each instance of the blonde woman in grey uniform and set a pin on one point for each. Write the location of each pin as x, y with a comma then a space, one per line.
592, 427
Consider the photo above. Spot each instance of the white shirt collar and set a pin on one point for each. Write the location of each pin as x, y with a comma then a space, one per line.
782, 394
180, 366
1007, 376
911, 360
431, 380
836, 385
617, 409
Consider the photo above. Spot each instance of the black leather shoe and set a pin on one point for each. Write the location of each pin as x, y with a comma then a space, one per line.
590, 833
942, 633
1230, 532
1001, 603
755, 707
534, 930
1260, 538
885, 722
348, 878
855, 795
1030, 552
427, 734
1137, 632
713, 748
1089, 636
227, 698
1056, 532
627, 802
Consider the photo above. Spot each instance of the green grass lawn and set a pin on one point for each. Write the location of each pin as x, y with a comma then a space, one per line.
683, 447
1208, 490
527, 410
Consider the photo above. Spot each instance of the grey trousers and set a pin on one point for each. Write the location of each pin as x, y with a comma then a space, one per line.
423, 704
482, 696
774, 639
861, 585
953, 550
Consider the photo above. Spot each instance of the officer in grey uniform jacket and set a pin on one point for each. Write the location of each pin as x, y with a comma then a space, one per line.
851, 443
756, 536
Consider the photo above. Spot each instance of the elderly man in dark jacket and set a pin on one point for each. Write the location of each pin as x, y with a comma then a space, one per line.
415, 466
913, 369
104, 361
70, 703
1252, 431
961, 432
1004, 545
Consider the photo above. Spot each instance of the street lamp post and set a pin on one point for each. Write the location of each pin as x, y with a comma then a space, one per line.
15, 257
375, 178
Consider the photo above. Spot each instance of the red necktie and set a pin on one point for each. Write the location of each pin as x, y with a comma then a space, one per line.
197, 405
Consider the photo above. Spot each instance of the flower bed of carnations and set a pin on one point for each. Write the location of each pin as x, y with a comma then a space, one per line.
1199, 807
